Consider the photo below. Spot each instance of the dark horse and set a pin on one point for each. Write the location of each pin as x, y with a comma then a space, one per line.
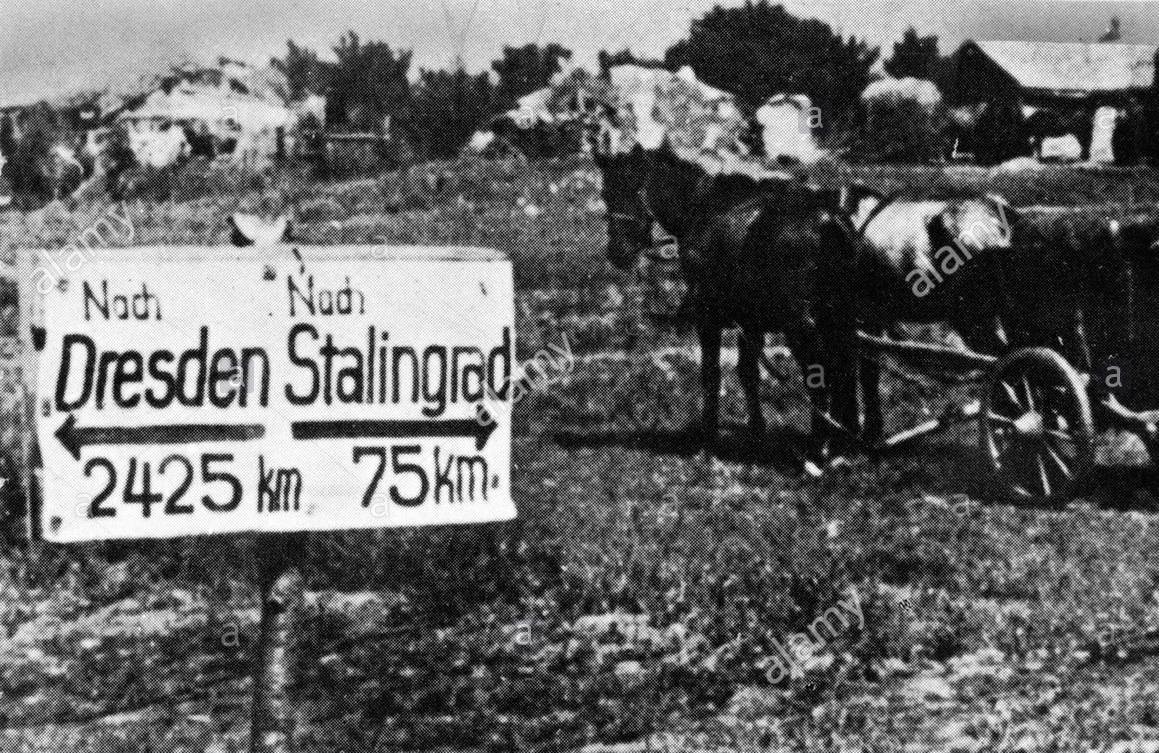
763, 253
1101, 306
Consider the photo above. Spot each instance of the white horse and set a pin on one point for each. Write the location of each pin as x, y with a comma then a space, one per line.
928, 261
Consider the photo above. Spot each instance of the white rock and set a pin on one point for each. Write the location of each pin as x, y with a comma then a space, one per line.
931, 688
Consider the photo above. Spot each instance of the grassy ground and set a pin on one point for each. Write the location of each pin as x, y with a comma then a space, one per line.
1040, 185
646, 591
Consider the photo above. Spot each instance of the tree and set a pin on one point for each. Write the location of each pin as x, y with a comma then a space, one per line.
7, 134
30, 166
758, 50
525, 69
118, 156
914, 56
899, 131
448, 107
369, 82
305, 73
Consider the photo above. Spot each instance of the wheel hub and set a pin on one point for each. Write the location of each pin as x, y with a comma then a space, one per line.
1030, 425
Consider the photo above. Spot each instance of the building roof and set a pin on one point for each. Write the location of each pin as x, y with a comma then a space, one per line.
1078, 67
227, 92
129, 92
191, 102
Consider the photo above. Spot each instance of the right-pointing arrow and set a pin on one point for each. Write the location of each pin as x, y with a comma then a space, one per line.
394, 429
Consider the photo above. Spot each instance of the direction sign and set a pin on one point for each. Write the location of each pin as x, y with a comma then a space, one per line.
192, 390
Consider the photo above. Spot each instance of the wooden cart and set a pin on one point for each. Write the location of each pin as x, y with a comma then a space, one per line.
1038, 417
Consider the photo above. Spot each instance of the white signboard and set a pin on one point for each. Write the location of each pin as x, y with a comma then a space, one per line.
192, 390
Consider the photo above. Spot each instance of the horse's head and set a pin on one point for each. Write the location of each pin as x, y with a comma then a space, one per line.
625, 176
975, 224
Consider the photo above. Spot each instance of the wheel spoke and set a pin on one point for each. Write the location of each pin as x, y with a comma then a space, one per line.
1004, 422
1062, 466
1036, 428
1043, 476
1063, 445
1012, 396
1028, 392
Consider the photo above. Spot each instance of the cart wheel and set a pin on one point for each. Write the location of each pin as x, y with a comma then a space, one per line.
1037, 429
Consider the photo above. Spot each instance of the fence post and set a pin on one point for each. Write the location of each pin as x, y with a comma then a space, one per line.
282, 595
30, 336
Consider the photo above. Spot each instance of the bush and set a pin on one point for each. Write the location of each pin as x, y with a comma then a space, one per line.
899, 130
34, 172
188, 181
449, 107
352, 159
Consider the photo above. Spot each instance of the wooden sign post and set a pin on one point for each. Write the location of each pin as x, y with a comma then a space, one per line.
282, 601
280, 390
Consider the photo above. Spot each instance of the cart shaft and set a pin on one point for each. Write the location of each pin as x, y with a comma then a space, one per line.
914, 348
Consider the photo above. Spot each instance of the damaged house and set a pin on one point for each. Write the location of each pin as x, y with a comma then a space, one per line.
549, 121
229, 109
224, 110
655, 103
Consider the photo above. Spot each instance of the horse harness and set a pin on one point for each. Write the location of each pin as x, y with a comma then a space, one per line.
645, 215
660, 250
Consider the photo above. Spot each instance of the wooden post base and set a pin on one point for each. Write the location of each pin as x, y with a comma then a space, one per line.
282, 596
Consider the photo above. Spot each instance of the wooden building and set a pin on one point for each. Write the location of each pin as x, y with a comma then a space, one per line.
1050, 90
1051, 74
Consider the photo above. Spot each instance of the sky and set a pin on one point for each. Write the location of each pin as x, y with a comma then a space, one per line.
49, 47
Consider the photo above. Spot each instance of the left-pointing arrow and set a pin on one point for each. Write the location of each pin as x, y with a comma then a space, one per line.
75, 437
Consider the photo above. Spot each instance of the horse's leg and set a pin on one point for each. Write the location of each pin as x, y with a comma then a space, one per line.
841, 358
828, 362
805, 345
710, 380
870, 377
752, 341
